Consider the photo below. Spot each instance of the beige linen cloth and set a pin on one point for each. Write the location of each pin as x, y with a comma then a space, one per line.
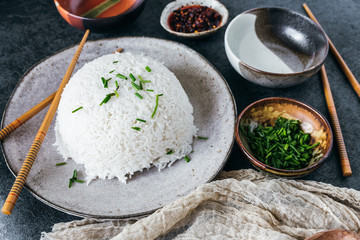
243, 204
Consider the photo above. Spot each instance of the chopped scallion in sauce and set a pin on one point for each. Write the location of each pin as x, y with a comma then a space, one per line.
283, 146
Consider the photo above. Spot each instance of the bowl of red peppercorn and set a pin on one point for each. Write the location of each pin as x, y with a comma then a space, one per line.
194, 18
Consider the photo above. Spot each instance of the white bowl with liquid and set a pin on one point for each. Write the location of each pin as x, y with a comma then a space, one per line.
275, 47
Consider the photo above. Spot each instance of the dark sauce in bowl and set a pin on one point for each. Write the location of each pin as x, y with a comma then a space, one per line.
193, 19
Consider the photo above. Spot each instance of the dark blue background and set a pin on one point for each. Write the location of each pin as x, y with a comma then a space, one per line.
32, 30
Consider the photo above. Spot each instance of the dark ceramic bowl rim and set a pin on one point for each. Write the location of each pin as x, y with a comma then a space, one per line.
273, 73
265, 166
206, 32
57, 4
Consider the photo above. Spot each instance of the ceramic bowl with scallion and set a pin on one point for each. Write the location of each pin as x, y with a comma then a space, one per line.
283, 137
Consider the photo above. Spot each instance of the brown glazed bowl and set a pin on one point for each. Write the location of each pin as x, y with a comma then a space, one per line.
266, 111
99, 15
275, 47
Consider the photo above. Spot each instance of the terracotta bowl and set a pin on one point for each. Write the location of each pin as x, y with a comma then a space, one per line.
266, 111
99, 15
275, 47
214, 4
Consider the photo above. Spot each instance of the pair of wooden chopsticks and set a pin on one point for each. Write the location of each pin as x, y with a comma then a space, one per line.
344, 160
54, 99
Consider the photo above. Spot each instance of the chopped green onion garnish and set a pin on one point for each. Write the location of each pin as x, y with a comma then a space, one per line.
75, 174
138, 95
77, 109
141, 86
132, 77
137, 87
283, 146
170, 152
149, 90
203, 138
116, 93
160, 94
140, 120
107, 98
112, 71
156, 104
60, 164
121, 76
144, 81
148, 69
136, 128
115, 61
74, 179
77, 180
187, 159
105, 81
117, 85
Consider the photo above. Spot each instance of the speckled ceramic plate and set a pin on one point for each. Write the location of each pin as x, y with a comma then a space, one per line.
214, 113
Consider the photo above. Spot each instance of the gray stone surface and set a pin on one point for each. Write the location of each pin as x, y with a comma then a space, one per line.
32, 30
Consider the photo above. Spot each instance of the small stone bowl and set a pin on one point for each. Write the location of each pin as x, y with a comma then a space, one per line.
110, 20
275, 47
214, 4
266, 111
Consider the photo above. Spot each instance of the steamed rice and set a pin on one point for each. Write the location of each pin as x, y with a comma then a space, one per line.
101, 137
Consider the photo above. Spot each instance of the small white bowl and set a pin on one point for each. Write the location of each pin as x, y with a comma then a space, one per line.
214, 4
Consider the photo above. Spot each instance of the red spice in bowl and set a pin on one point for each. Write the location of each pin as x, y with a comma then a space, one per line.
193, 19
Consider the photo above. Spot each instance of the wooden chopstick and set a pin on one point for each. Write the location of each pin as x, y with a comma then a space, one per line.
30, 158
25, 117
344, 160
354, 83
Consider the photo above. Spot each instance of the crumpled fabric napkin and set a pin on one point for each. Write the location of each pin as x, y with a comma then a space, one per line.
243, 204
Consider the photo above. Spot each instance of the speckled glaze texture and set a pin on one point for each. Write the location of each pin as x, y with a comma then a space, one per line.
294, 39
147, 190
266, 111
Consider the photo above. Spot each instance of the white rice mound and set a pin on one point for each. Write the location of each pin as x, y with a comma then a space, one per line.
101, 137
